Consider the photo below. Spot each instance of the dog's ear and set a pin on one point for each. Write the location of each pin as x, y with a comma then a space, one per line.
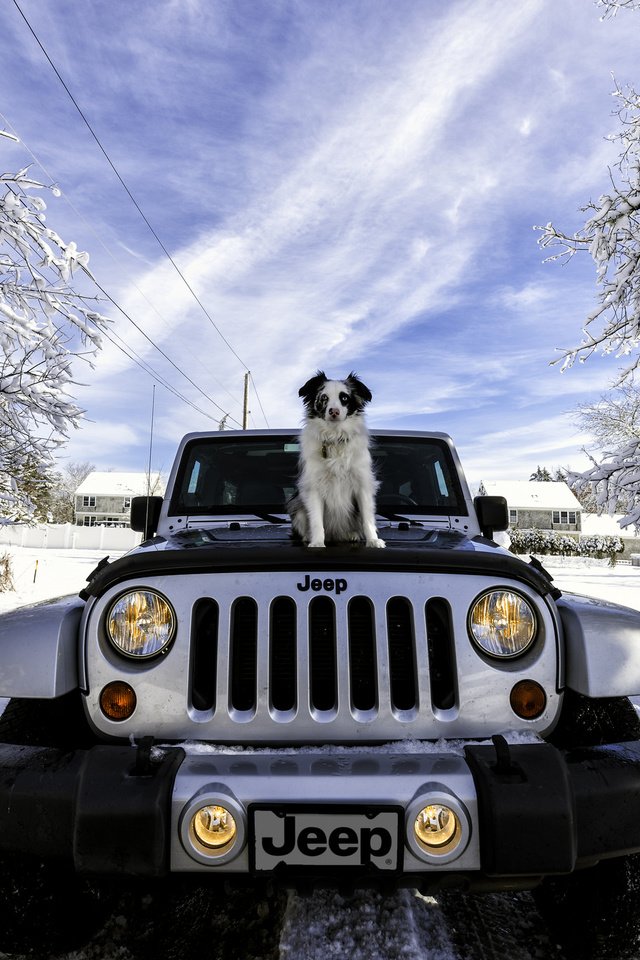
309, 391
358, 388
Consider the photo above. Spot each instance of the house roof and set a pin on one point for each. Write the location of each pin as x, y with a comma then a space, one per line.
534, 494
113, 484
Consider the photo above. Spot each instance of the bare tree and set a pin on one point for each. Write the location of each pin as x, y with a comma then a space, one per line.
611, 7
67, 482
611, 236
45, 329
614, 419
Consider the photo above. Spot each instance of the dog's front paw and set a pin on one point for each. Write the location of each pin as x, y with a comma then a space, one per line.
315, 543
375, 543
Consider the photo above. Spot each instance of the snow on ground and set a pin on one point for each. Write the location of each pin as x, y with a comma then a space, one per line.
595, 578
44, 574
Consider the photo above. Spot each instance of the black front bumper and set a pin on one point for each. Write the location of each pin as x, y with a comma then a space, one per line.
546, 811
107, 809
541, 811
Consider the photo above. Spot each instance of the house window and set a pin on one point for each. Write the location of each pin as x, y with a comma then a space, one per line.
565, 516
513, 517
88, 501
126, 503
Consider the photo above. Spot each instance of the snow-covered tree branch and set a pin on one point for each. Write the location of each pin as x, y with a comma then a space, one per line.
611, 7
611, 236
45, 327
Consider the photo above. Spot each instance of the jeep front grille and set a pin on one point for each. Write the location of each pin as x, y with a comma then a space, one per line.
283, 657
336, 641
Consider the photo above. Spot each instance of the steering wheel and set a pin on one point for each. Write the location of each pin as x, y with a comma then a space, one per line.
388, 499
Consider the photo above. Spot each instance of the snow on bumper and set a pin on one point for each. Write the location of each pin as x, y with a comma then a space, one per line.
521, 810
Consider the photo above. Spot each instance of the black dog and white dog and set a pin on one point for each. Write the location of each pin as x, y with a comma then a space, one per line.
336, 484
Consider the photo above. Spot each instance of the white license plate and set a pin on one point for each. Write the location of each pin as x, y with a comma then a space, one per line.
311, 837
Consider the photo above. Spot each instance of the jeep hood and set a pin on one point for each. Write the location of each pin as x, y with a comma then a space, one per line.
236, 548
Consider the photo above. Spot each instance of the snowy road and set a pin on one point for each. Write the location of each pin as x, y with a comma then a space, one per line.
324, 925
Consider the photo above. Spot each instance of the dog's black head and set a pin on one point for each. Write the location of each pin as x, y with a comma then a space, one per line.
334, 400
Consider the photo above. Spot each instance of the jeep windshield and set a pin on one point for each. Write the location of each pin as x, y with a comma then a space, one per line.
257, 474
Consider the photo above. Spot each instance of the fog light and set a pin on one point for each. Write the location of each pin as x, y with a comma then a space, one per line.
528, 699
214, 827
436, 827
118, 700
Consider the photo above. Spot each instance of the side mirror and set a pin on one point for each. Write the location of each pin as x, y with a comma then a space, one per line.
145, 513
492, 513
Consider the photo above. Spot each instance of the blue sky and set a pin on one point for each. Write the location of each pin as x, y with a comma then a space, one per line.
345, 184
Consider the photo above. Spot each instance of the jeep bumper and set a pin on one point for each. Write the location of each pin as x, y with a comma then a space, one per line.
525, 810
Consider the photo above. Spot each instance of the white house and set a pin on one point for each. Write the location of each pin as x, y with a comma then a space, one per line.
104, 498
538, 505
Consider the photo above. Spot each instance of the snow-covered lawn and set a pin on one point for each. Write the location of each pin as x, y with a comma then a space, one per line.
44, 574
595, 578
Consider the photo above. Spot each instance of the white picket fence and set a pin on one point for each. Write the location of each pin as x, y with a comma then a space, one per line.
67, 536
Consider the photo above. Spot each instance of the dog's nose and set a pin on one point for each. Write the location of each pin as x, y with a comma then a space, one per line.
334, 413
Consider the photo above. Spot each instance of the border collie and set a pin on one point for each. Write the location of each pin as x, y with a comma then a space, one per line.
336, 485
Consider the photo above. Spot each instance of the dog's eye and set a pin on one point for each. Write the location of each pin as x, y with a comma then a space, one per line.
324, 398
344, 399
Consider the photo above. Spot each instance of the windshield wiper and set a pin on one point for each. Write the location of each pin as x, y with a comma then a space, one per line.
388, 515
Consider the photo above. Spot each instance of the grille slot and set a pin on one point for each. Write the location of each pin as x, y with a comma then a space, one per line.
362, 654
243, 661
348, 659
402, 663
204, 634
322, 653
283, 654
442, 663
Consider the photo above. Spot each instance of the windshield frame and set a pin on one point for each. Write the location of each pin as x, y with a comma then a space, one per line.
392, 444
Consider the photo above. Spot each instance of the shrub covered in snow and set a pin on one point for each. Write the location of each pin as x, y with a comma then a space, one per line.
559, 545
6, 573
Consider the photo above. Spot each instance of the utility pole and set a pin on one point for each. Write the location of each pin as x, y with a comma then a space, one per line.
245, 405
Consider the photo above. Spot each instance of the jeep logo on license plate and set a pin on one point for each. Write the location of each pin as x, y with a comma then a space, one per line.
312, 837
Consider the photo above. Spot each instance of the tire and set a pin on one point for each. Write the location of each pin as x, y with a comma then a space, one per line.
47, 723
586, 722
594, 914
46, 908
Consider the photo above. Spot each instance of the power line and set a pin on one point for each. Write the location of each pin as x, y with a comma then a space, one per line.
160, 350
126, 188
109, 252
131, 354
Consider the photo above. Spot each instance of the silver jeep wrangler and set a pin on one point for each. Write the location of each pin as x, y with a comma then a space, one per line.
223, 700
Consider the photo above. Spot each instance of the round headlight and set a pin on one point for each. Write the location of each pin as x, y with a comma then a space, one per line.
141, 624
502, 623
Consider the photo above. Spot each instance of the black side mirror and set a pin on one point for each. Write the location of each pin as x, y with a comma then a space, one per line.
145, 513
493, 514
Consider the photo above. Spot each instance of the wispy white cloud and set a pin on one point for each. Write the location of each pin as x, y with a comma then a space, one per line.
340, 191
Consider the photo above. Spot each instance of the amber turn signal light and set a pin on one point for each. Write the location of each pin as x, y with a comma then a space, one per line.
528, 699
118, 700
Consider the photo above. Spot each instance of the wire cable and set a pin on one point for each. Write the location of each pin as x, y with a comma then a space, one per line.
131, 354
124, 185
54, 183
